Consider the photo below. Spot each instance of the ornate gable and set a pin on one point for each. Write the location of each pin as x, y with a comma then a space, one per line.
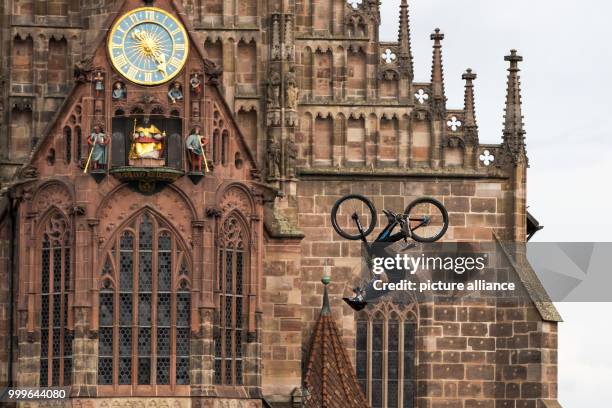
110, 97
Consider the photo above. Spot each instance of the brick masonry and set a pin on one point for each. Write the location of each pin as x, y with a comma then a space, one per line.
357, 125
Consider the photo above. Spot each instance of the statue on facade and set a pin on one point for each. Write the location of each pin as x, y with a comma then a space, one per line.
274, 99
196, 147
291, 98
99, 83
291, 155
175, 94
274, 160
97, 142
119, 91
196, 84
147, 142
274, 90
291, 90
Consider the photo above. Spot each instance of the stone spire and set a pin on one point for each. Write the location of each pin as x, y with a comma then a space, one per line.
437, 70
330, 377
471, 127
514, 133
405, 48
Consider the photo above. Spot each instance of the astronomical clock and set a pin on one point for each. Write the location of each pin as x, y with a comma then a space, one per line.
148, 46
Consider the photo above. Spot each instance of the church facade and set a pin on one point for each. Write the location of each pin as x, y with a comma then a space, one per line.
168, 172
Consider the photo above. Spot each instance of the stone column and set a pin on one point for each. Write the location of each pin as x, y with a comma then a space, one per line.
403, 151
202, 355
203, 309
339, 141
6, 240
85, 343
28, 365
84, 355
28, 349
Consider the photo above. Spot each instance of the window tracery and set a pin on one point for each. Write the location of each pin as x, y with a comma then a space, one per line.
145, 318
232, 265
385, 355
56, 336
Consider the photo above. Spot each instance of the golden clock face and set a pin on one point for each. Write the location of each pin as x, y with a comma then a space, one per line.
148, 46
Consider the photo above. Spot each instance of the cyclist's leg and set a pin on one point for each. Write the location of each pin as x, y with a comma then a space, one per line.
371, 293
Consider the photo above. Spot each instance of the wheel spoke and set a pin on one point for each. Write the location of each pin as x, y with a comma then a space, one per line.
353, 212
426, 220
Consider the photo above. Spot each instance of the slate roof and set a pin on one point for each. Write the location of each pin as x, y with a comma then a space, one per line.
517, 260
330, 379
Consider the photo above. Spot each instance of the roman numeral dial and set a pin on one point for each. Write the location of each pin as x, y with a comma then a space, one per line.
148, 46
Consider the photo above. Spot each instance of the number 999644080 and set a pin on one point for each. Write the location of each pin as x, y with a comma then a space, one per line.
34, 394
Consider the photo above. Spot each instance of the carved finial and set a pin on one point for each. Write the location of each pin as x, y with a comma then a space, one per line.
469, 105
405, 47
437, 71
514, 133
326, 309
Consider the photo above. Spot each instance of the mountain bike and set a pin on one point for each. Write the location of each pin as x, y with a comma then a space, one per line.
354, 217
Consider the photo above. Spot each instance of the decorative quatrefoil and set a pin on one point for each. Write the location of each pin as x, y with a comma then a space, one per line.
389, 56
355, 3
487, 158
454, 124
421, 96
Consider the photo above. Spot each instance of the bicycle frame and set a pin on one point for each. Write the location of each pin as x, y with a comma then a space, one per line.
386, 235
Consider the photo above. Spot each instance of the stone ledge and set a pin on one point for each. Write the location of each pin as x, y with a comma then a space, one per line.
278, 226
329, 172
166, 174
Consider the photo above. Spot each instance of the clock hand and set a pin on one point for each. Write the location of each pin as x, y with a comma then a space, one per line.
161, 62
138, 35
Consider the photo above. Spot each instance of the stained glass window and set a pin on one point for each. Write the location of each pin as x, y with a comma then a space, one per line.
392, 362
232, 267
362, 354
377, 364
380, 353
55, 334
409, 358
145, 321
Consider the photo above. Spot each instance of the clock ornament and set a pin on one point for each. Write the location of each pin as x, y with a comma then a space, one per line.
148, 46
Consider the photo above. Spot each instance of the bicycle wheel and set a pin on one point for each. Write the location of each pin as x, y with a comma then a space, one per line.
427, 219
350, 210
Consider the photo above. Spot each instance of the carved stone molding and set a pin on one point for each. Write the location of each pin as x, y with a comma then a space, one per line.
236, 198
126, 403
52, 194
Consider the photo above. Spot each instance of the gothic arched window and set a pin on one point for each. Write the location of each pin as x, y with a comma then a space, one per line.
224, 147
78, 148
68, 144
55, 334
216, 146
385, 356
232, 269
145, 308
